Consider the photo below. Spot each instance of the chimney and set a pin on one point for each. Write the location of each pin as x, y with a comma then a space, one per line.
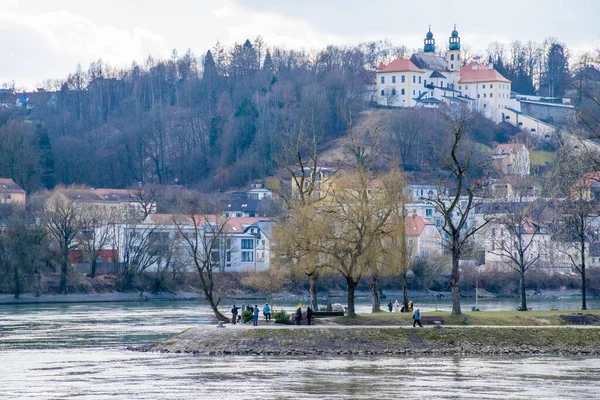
490, 63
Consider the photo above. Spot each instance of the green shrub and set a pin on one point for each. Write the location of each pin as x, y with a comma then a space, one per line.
282, 317
247, 316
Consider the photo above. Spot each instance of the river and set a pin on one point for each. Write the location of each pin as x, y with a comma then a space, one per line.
78, 351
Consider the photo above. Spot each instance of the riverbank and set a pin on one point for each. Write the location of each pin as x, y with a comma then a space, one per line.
114, 297
375, 340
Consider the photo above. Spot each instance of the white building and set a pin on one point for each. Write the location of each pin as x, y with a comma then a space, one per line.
429, 80
245, 242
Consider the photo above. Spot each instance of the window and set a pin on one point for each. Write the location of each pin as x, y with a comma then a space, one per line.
9, 196
247, 244
484, 95
227, 215
451, 57
403, 79
428, 212
394, 79
414, 92
491, 86
425, 82
383, 79
414, 79
485, 106
238, 215
491, 95
466, 87
382, 92
403, 92
478, 96
419, 79
483, 86
247, 256
393, 92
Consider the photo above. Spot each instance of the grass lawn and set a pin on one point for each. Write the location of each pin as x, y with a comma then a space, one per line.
541, 158
485, 318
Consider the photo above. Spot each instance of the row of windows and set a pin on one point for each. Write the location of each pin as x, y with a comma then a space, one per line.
483, 86
402, 79
402, 92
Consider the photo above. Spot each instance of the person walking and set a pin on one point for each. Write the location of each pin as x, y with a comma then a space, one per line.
267, 312
299, 315
255, 311
390, 306
417, 318
234, 314
309, 314
396, 306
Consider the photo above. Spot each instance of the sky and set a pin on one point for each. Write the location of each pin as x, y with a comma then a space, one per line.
46, 39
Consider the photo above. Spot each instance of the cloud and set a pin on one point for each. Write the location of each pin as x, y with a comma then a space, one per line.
51, 44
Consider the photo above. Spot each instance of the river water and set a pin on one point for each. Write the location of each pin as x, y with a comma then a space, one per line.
78, 351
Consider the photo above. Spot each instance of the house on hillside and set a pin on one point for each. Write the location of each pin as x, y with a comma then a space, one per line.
429, 80
422, 237
122, 204
587, 187
511, 159
11, 193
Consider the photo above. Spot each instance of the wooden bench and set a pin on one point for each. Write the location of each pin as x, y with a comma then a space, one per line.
321, 314
432, 319
571, 319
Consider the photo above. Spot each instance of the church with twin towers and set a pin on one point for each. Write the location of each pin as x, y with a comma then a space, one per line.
429, 80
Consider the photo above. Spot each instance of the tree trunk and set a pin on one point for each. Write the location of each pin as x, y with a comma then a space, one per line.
351, 288
17, 278
522, 289
373, 285
583, 299
405, 290
207, 285
454, 279
93, 271
314, 299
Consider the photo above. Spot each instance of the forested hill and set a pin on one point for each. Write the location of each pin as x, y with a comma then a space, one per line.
215, 121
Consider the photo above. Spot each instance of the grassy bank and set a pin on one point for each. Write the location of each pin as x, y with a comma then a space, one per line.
484, 318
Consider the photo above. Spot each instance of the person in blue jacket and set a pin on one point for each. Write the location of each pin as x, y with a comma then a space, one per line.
417, 318
267, 312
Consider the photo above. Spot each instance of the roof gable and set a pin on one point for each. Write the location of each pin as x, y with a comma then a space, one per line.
475, 72
399, 65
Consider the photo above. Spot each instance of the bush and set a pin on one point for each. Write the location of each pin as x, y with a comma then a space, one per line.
247, 316
282, 317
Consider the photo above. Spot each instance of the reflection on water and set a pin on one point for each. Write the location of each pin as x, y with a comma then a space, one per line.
78, 351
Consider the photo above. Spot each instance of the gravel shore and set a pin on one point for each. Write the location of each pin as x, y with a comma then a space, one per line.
366, 340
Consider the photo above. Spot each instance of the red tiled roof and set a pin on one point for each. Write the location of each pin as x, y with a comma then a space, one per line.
415, 225
399, 65
481, 73
588, 179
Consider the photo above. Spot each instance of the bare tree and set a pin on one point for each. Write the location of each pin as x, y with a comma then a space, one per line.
517, 237
204, 239
95, 234
146, 197
456, 198
63, 221
142, 247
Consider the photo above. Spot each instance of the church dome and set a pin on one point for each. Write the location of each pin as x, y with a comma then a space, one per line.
429, 42
454, 42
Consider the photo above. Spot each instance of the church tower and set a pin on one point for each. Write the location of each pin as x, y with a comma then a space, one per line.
453, 54
429, 44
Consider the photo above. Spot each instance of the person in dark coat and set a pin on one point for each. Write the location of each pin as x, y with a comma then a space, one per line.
390, 306
298, 315
309, 314
234, 314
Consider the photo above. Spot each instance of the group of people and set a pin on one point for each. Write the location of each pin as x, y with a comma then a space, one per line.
298, 315
395, 307
235, 317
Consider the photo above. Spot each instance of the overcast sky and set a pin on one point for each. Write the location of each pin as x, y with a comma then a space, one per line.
41, 39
